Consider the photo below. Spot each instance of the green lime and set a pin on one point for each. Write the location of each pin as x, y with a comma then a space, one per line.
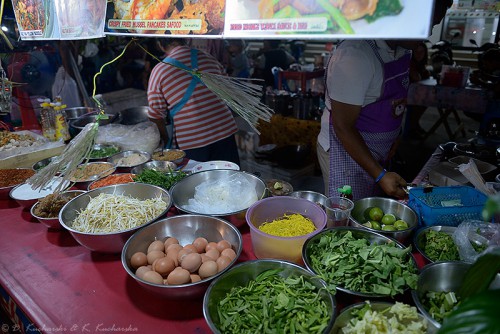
368, 224
388, 228
376, 225
400, 224
376, 213
388, 219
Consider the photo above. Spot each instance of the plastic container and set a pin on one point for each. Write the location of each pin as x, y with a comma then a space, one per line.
446, 206
282, 248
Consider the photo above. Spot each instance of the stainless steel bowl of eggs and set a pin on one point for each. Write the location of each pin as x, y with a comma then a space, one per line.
179, 256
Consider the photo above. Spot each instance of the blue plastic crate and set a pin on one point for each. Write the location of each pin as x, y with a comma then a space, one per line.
448, 206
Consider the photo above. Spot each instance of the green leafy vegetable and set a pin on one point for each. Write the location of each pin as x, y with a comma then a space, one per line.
273, 304
439, 246
103, 152
385, 8
440, 304
355, 264
160, 179
480, 275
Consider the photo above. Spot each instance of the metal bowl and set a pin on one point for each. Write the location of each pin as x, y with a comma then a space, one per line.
346, 316
285, 188
184, 190
5, 191
186, 228
173, 155
159, 166
242, 274
217, 164
134, 115
84, 184
74, 113
312, 196
110, 242
80, 122
26, 196
42, 163
442, 276
420, 238
142, 156
93, 183
53, 222
359, 215
103, 146
358, 233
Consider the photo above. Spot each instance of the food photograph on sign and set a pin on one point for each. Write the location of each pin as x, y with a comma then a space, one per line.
35, 18
342, 18
81, 19
175, 17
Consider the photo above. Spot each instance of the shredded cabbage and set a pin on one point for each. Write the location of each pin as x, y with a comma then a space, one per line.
399, 318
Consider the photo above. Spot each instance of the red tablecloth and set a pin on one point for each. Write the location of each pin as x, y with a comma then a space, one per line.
63, 287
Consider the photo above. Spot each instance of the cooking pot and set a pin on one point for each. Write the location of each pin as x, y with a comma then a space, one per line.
292, 156
134, 115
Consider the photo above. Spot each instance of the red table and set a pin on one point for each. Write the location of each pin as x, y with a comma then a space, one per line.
59, 286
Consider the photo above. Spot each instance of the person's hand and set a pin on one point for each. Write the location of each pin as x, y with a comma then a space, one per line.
392, 184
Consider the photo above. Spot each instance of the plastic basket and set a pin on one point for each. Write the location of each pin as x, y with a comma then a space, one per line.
447, 206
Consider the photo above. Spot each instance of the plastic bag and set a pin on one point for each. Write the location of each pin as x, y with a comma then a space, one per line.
474, 237
143, 136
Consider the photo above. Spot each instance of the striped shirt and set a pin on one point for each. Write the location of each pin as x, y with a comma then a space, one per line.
205, 118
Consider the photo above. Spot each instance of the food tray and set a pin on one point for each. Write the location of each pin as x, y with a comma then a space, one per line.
447, 206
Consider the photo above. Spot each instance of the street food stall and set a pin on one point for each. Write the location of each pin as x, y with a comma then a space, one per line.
115, 233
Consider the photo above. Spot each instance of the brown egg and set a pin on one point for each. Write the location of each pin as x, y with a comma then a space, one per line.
223, 244
153, 255
222, 263
200, 244
138, 259
213, 254
164, 266
170, 241
191, 262
152, 277
183, 252
191, 247
229, 252
141, 270
156, 245
173, 255
207, 269
172, 247
211, 245
205, 258
179, 276
195, 278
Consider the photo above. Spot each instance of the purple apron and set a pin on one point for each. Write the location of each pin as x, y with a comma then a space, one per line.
379, 124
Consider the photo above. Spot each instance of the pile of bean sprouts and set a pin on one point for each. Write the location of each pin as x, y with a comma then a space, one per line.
108, 213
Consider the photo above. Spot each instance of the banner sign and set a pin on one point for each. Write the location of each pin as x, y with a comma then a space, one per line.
200, 18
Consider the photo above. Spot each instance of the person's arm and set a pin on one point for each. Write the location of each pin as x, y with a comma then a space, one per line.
344, 118
162, 128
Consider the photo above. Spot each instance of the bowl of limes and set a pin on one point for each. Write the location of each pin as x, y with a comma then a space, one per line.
386, 216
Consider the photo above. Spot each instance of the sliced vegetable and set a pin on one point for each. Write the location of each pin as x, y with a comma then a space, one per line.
439, 304
439, 246
160, 179
273, 304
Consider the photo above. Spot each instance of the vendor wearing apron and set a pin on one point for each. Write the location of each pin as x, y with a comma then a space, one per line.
202, 124
367, 83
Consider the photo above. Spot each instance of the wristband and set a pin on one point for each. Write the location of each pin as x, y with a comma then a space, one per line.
380, 176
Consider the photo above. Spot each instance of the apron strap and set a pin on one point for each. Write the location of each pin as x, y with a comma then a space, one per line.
189, 91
